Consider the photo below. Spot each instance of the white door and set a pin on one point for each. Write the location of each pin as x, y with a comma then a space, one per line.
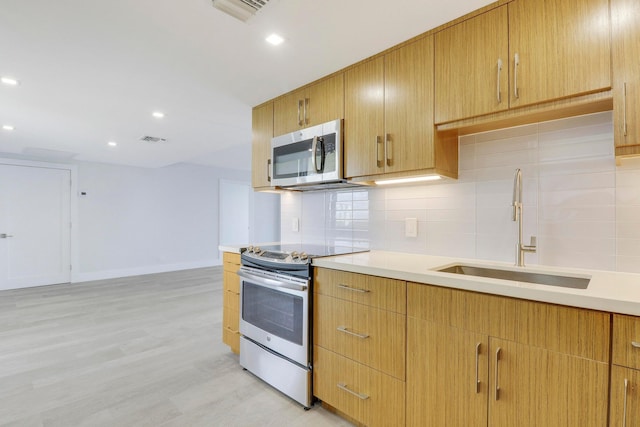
35, 235
234, 212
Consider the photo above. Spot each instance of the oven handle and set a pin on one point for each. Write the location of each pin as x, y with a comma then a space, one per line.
270, 283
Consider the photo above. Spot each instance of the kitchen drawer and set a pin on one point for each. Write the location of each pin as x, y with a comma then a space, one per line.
458, 309
231, 300
374, 337
231, 261
568, 330
388, 294
362, 393
626, 341
230, 319
231, 282
231, 338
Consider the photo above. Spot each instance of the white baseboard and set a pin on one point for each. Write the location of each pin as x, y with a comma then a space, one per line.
148, 269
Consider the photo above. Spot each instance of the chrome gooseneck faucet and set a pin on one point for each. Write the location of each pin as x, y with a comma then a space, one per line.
517, 216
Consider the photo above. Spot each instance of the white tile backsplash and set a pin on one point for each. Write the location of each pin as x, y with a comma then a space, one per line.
583, 209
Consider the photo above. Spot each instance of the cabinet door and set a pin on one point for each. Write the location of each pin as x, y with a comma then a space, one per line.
262, 132
625, 16
563, 48
289, 112
325, 101
408, 106
447, 379
364, 119
531, 386
625, 397
467, 80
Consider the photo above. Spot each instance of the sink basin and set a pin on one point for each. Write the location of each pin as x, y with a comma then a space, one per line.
519, 276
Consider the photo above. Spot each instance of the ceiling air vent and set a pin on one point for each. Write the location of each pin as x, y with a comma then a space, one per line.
240, 9
148, 138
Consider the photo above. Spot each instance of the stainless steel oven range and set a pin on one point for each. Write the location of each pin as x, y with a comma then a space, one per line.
275, 315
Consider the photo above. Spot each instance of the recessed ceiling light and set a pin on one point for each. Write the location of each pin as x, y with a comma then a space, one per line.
112, 143
7, 127
9, 81
274, 39
158, 114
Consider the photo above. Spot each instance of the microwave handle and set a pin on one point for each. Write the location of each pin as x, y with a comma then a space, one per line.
314, 150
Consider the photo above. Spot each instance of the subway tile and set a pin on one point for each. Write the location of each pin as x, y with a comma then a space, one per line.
509, 133
628, 247
628, 264
576, 122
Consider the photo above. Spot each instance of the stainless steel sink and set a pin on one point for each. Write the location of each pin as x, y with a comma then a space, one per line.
519, 276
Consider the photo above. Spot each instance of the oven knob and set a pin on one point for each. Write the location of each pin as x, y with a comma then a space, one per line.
303, 256
294, 255
256, 250
250, 249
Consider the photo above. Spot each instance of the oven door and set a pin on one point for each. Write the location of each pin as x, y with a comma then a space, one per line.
274, 312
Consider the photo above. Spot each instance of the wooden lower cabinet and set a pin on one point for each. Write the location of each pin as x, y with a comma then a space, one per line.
625, 397
231, 301
547, 366
532, 387
360, 392
447, 378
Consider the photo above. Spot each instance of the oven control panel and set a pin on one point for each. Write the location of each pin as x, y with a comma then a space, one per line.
277, 256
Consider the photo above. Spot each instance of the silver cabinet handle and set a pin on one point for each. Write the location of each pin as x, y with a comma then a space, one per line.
387, 149
624, 405
498, 84
299, 108
305, 119
268, 170
378, 142
349, 288
497, 386
477, 359
516, 64
635, 344
5, 236
624, 108
347, 331
343, 386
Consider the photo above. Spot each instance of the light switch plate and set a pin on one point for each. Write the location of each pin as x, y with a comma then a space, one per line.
295, 224
411, 227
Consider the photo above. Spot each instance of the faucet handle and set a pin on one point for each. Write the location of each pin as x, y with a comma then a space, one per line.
534, 241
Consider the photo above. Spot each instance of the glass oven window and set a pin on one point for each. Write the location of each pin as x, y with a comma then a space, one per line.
276, 312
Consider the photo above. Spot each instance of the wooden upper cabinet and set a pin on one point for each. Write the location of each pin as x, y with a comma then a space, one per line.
408, 102
312, 105
364, 119
389, 112
625, 16
563, 49
262, 132
472, 67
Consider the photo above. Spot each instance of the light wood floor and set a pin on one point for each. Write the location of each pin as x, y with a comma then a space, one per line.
137, 351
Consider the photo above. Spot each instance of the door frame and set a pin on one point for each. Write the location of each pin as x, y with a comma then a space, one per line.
73, 201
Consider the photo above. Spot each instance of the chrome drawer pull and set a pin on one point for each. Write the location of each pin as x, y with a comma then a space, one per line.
497, 396
624, 407
635, 344
348, 288
346, 331
343, 386
477, 378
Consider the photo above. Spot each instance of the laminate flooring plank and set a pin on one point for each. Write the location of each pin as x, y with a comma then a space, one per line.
135, 351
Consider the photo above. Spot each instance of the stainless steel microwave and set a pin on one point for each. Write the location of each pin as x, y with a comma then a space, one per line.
308, 156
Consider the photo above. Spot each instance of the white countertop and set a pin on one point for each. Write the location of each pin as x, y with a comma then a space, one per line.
607, 290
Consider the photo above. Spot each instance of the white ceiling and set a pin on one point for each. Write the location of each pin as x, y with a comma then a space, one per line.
94, 71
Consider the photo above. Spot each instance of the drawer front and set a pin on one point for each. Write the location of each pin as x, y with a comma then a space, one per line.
626, 341
231, 258
230, 319
459, 309
231, 300
362, 393
568, 330
387, 294
374, 337
231, 282
232, 339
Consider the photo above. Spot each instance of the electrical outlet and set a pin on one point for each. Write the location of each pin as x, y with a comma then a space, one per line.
295, 224
411, 227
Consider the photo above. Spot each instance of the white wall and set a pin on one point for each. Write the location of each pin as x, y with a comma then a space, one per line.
137, 221
584, 210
